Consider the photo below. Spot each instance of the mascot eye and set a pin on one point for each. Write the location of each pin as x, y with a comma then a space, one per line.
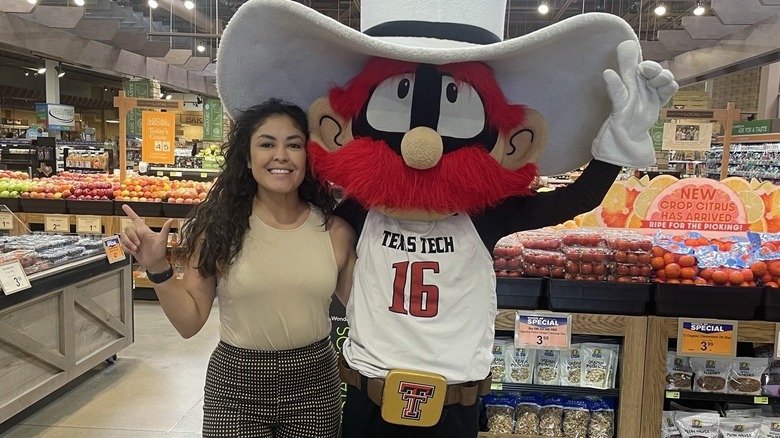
462, 114
389, 108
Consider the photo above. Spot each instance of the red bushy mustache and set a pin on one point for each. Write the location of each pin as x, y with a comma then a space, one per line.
466, 180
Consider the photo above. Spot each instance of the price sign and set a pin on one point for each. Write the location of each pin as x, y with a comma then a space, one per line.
113, 248
204, 175
496, 386
89, 224
760, 400
6, 221
706, 337
176, 174
543, 331
160, 173
56, 223
12, 277
673, 394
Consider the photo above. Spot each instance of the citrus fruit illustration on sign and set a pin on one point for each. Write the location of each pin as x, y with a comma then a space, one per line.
698, 204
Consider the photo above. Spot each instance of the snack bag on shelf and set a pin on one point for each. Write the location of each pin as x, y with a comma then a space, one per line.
551, 416
547, 370
770, 427
739, 427
698, 424
679, 375
668, 426
599, 364
576, 418
745, 375
710, 375
507, 257
770, 380
571, 363
498, 366
602, 418
520, 362
527, 413
500, 412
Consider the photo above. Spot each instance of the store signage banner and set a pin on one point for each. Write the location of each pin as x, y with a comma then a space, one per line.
136, 88
158, 134
687, 136
749, 127
657, 134
212, 119
689, 204
55, 116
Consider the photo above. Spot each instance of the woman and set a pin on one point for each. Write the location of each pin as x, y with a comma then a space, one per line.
265, 243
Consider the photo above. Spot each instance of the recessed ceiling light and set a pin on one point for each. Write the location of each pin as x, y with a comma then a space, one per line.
189, 4
152, 4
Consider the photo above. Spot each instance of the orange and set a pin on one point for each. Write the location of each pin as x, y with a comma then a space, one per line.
706, 273
773, 267
766, 278
657, 251
703, 241
688, 272
771, 284
747, 274
758, 268
686, 281
699, 280
735, 278
672, 270
691, 242
657, 263
720, 277
687, 260
660, 274
669, 258
673, 281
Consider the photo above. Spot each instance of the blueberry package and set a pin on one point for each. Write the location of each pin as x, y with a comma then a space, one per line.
520, 363
500, 411
710, 375
547, 367
739, 427
679, 375
571, 362
745, 375
697, 424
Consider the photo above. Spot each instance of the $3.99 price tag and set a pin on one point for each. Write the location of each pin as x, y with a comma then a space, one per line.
547, 331
706, 337
12, 277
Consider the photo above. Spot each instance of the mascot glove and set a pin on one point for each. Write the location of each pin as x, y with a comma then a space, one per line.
637, 95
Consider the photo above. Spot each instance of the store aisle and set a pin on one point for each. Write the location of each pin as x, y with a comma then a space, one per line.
154, 390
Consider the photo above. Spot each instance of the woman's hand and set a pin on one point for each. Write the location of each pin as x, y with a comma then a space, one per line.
148, 247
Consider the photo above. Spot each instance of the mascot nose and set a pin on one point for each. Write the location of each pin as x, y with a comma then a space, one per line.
421, 148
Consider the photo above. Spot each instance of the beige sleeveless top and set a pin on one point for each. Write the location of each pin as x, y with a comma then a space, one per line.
276, 295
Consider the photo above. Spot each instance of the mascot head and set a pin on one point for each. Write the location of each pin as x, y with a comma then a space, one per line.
427, 111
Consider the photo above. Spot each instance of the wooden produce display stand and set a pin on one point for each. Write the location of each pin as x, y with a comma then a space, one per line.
659, 331
633, 330
74, 317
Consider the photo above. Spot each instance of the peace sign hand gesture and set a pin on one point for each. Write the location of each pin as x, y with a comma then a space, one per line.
148, 247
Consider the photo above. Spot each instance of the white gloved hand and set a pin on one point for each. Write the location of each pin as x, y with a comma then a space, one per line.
637, 95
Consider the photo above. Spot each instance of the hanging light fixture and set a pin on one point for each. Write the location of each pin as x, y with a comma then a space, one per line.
42, 69
201, 47
699, 10
60, 70
152, 4
660, 9
79, 2
189, 4
543, 8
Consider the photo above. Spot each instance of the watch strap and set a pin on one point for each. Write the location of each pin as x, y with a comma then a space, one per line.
159, 278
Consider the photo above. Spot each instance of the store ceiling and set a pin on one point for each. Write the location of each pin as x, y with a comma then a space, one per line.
127, 38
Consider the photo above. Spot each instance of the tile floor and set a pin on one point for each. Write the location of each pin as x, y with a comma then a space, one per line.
154, 390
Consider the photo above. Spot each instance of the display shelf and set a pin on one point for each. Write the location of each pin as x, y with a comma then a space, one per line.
756, 159
736, 398
184, 173
633, 330
554, 389
506, 435
659, 331
37, 222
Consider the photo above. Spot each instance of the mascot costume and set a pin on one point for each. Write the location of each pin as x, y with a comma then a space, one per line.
435, 127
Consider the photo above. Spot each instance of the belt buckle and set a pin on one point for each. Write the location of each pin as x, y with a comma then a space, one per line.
413, 398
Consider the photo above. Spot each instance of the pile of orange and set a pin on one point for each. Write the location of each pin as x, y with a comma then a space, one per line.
681, 269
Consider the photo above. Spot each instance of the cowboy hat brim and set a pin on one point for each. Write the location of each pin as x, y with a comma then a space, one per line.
281, 48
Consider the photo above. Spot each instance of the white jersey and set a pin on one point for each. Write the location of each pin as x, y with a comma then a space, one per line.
423, 298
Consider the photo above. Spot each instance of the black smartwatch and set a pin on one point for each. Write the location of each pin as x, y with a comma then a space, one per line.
159, 278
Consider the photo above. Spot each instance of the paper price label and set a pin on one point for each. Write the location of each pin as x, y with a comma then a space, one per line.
160, 173
6, 221
496, 386
204, 175
176, 174
56, 224
113, 248
760, 400
89, 224
12, 277
673, 394
707, 338
125, 222
550, 332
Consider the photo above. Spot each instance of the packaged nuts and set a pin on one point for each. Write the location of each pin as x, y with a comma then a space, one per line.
745, 375
740, 427
710, 374
547, 367
498, 366
527, 414
602, 418
679, 375
598, 364
571, 361
551, 416
519, 364
576, 418
697, 424
500, 412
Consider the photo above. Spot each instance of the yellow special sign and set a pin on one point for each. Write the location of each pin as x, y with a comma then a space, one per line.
159, 130
413, 398
706, 338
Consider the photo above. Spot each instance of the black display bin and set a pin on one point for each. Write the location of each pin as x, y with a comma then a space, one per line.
704, 301
13, 204
102, 208
598, 296
176, 210
30, 205
770, 304
143, 209
520, 293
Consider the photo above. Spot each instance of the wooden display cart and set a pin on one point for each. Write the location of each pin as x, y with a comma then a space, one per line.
659, 331
633, 330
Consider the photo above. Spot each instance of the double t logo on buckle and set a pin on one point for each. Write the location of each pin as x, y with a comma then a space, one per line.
413, 398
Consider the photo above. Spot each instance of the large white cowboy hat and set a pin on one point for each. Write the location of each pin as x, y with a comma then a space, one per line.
281, 48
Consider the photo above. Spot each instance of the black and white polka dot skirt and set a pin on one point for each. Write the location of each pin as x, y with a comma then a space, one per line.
286, 394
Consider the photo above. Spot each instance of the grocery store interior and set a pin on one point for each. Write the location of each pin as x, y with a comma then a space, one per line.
667, 291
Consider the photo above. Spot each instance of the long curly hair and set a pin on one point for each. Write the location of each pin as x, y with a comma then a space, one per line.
217, 226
